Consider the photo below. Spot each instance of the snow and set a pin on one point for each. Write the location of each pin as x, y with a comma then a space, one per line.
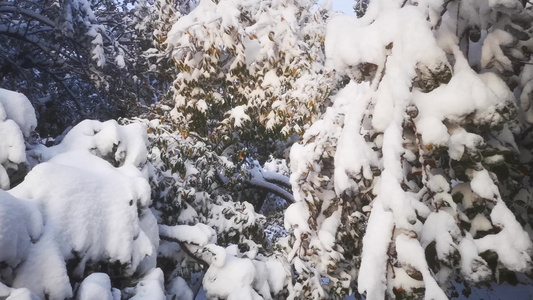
375, 244
378, 145
179, 289
409, 253
20, 224
271, 81
351, 42
441, 228
296, 216
480, 223
119, 60
461, 140
78, 206
12, 145
233, 279
17, 121
353, 153
87, 200
77, 212
473, 267
328, 230
44, 255
96, 286
239, 116
438, 184
16, 107
120, 145
483, 185
21, 294
251, 50
467, 95
492, 53
199, 234
512, 243
151, 286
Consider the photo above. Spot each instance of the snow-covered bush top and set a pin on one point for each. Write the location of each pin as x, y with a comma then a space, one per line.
85, 208
17, 120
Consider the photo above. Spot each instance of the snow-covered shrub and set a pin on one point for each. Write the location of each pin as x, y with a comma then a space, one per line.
82, 208
248, 71
407, 181
17, 121
207, 235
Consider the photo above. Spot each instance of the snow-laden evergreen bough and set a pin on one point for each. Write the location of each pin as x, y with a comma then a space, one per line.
419, 173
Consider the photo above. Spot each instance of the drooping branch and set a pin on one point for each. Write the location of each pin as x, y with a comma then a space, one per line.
5, 8
259, 181
183, 246
38, 43
69, 91
277, 178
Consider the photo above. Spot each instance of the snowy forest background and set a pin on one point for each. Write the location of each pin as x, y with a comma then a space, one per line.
248, 149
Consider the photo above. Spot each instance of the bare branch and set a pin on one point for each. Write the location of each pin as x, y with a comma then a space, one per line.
4, 8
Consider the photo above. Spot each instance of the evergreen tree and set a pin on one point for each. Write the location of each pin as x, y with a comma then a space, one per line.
75, 59
417, 175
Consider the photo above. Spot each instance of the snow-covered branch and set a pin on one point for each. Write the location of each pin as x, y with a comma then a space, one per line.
183, 246
271, 188
270, 182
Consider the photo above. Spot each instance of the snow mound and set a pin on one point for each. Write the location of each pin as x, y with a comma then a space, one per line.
17, 120
77, 207
117, 144
97, 286
15, 106
20, 224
